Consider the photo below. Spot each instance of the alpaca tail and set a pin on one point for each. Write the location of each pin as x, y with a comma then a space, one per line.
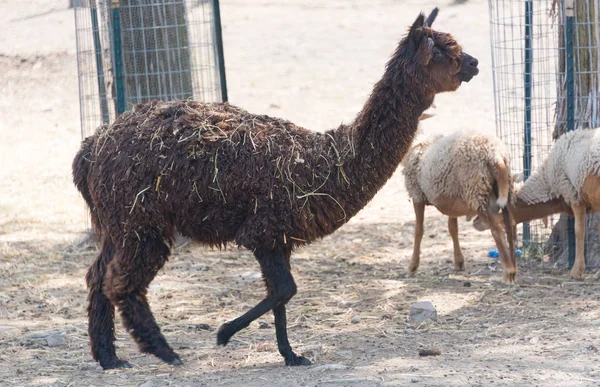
81, 170
501, 174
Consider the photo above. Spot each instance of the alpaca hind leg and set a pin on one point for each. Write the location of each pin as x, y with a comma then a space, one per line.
281, 288
127, 282
579, 265
101, 313
459, 259
419, 219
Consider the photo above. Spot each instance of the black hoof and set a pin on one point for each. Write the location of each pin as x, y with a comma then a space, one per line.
295, 360
116, 364
176, 361
224, 334
170, 357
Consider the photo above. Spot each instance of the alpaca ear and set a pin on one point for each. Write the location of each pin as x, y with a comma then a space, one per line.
416, 31
431, 17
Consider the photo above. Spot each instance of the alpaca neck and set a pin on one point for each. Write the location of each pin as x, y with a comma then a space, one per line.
380, 135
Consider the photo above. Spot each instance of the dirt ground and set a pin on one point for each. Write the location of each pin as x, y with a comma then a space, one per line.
313, 62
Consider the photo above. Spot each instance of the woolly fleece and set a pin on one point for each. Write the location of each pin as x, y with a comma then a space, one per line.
457, 165
574, 156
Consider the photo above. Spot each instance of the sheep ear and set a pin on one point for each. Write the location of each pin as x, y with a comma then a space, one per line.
431, 17
416, 30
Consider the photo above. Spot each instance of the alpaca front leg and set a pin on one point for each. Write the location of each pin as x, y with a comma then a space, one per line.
579, 265
281, 288
285, 349
459, 259
419, 219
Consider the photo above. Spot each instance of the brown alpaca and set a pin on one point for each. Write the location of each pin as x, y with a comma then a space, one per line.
216, 173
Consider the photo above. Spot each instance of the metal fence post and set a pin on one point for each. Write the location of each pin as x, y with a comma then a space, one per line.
570, 73
527, 119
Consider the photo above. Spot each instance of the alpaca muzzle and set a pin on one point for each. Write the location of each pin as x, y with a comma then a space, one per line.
468, 68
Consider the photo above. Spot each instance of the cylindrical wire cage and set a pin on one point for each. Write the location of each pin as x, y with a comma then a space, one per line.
133, 51
545, 69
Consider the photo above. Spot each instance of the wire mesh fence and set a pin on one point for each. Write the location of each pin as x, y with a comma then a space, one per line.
132, 51
545, 69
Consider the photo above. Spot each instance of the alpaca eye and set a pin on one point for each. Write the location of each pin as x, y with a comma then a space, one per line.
438, 57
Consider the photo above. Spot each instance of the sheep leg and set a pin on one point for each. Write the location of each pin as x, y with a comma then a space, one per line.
509, 268
101, 313
579, 265
128, 277
281, 288
459, 259
419, 218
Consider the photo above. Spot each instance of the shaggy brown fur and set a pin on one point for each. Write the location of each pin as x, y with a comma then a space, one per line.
216, 173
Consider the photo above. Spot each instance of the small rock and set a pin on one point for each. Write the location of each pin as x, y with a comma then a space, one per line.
203, 327
329, 367
422, 311
485, 325
56, 340
263, 325
149, 383
430, 352
409, 331
534, 340
414, 380
355, 319
45, 334
467, 284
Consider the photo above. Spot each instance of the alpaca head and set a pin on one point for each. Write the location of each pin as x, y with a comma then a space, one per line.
432, 60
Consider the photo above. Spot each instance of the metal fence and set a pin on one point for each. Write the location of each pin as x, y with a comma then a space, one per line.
132, 51
545, 69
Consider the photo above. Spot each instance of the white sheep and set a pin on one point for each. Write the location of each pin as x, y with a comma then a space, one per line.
462, 174
568, 181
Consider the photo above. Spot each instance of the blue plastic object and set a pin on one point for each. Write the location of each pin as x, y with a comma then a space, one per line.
493, 254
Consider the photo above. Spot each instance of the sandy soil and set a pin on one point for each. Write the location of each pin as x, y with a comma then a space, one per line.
313, 62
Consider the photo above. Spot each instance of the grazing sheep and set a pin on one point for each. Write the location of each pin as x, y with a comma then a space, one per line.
461, 174
216, 173
568, 181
